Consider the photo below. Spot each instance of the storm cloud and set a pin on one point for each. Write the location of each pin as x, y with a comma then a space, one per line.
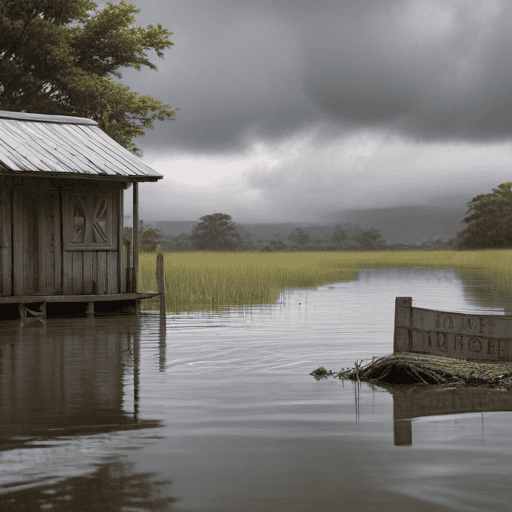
433, 70
347, 100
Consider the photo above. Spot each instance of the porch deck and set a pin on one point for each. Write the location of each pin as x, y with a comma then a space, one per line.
31, 299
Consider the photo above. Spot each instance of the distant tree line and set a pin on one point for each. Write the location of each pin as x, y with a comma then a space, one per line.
218, 232
488, 219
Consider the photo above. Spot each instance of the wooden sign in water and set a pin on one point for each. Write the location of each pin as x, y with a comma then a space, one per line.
471, 337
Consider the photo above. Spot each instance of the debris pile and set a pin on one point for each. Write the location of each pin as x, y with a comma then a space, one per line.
408, 368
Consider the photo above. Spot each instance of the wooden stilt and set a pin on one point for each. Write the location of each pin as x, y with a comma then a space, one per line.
160, 281
89, 311
27, 314
23, 313
129, 271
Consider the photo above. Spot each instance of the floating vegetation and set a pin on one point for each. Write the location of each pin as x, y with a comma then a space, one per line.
408, 368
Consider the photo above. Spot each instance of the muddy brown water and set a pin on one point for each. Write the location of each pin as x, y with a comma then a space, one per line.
218, 412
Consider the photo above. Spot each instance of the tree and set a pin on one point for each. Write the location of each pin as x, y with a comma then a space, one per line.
370, 240
299, 238
216, 233
180, 242
149, 238
277, 243
60, 57
338, 236
247, 242
489, 220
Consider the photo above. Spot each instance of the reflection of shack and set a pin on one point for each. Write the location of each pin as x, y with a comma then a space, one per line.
69, 378
61, 215
424, 401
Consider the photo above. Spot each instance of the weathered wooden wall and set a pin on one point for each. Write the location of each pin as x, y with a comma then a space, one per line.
34, 259
5, 236
36, 240
90, 272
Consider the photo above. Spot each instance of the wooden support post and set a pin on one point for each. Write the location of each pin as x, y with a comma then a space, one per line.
23, 313
160, 281
129, 277
135, 235
89, 311
162, 331
402, 335
129, 272
120, 242
132, 310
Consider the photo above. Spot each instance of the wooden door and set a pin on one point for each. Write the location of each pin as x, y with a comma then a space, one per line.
36, 241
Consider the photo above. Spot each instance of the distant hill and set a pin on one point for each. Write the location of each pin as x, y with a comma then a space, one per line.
267, 231
172, 227
402, 223
397, 224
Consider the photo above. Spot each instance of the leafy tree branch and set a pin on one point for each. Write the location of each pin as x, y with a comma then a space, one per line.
60, 57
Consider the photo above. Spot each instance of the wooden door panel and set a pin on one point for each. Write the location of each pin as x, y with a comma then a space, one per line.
35, 245
30, 245
45, 244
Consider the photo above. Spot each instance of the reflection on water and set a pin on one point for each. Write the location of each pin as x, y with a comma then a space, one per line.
113, 486
63, 397
217, 411
68, 376
421, 401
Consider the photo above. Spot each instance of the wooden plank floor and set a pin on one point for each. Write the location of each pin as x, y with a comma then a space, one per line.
21, 299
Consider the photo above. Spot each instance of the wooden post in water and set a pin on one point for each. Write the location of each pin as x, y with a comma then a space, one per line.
135, 239
160, 281
402, 335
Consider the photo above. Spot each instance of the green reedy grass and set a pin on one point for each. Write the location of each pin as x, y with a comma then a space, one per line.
213, 280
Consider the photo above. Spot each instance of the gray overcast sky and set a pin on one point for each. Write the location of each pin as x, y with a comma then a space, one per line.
291, 109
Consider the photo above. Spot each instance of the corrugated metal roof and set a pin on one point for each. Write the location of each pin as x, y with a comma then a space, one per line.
66, 145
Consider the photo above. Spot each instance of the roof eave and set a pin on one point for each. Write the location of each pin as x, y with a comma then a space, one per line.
44, 118
71, 175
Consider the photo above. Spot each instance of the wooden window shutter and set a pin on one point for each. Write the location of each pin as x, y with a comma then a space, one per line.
88, 221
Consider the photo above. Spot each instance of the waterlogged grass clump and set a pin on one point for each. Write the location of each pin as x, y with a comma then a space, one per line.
409, 368
212, 280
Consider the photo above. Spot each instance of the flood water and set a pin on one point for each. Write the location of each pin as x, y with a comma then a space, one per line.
218, 412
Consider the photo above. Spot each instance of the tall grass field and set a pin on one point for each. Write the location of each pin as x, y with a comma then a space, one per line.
197, 281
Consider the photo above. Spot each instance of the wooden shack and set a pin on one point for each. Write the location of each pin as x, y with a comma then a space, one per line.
62, 181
